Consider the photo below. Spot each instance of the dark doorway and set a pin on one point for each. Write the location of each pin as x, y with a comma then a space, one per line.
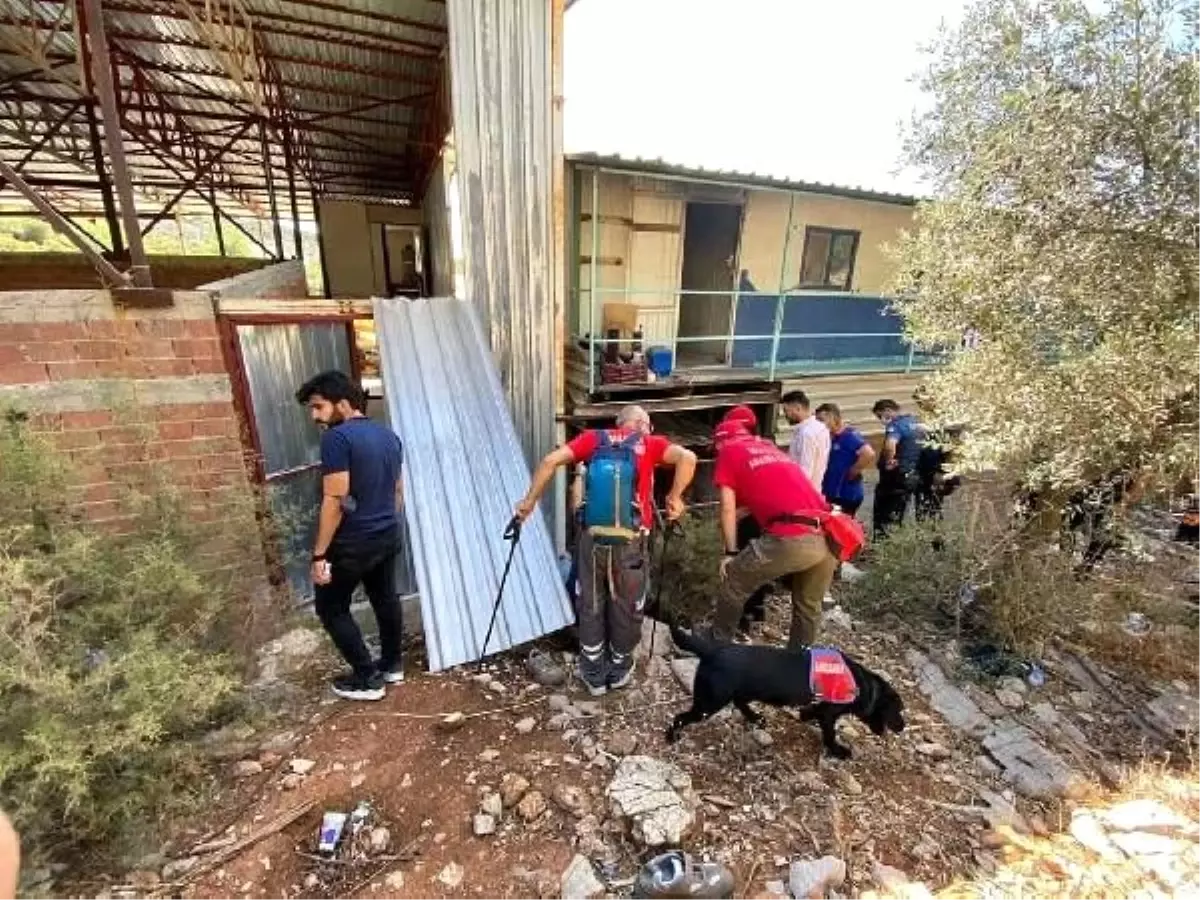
403, 260
710, 245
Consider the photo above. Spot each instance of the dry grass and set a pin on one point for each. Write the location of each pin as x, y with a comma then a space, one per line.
1027, 592
1059, 866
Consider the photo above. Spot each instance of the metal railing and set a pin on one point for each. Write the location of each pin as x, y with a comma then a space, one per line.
734, 337
773, 361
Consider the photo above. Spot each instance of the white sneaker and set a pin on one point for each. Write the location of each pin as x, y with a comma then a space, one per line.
851, 572
392, 676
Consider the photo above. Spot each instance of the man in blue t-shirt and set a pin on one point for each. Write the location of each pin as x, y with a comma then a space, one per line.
358, 531
849, 456
903, 439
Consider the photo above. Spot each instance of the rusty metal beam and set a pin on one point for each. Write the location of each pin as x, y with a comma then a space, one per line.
371, 14
101, 73
62, 225
196, 177
266, 164
259, 17
200, 44
48, 135
309, 86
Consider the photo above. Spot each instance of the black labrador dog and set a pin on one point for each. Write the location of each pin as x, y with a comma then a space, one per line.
744, 674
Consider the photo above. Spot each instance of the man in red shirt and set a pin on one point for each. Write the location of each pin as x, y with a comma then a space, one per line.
614, 577
753, 473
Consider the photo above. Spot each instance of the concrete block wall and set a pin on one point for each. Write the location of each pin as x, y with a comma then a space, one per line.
134, 398
60, 271
285, 280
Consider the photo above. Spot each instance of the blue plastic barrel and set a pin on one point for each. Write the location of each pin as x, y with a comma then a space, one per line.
659, 361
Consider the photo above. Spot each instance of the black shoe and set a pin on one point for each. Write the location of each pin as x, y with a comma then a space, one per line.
356, 687
619, 676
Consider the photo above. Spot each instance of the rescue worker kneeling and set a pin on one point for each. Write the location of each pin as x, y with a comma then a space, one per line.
753, 473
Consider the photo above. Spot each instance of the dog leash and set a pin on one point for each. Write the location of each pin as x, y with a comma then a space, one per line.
512, 534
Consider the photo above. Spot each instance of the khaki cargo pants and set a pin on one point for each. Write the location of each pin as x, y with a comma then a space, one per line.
806, 558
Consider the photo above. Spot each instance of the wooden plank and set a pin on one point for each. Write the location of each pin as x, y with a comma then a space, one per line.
607, 220
294, 310
676, 404
664, 227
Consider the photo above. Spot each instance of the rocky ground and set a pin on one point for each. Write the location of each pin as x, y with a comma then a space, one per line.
483, 784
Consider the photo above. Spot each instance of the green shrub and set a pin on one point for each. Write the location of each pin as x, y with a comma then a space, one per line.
978, 577
112, 658
917, 571
690, 569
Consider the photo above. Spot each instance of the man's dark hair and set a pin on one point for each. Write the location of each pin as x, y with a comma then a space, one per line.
829, 409
796, 398
335, 387
882, 406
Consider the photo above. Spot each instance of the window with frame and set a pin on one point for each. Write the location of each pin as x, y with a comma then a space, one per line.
828, 260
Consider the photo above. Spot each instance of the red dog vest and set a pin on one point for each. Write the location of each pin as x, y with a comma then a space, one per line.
829, 678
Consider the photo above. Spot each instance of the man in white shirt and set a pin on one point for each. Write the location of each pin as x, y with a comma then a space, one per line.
810, 437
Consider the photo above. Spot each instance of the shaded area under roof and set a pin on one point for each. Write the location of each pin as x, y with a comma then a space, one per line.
464, 473
241, 103
662, 168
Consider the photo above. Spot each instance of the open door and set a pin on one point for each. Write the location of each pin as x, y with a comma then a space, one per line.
275, 346
710, 246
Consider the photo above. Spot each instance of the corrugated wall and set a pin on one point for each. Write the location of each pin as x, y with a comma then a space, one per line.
465, 472
501, 85
436, 208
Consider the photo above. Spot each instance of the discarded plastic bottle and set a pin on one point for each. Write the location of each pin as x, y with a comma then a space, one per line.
359, 817
1036, 676
676, 874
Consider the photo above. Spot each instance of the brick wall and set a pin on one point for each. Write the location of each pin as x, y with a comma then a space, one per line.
136, 400
36, 271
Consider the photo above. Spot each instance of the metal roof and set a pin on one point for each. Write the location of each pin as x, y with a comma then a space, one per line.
464, 473
350, 93
652, 167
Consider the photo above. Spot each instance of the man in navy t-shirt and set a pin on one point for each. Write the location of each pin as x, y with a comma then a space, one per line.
358, 532
849, 457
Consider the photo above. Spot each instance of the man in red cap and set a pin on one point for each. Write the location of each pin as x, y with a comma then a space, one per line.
753, 473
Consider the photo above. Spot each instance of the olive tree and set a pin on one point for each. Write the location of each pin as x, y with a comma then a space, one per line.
1060, 144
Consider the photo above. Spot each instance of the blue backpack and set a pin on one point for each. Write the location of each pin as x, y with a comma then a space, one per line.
610, 509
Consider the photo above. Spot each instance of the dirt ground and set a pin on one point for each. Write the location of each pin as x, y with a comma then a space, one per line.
916, 802
763, 801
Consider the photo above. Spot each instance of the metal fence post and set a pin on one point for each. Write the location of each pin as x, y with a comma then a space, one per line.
592, 280
782, 298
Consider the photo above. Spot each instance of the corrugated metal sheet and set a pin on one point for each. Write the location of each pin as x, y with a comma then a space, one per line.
359, 75
278, 359
436, 208
464, 473
640, 166
500, 88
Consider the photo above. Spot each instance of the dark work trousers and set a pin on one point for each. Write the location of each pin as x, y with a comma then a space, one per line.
370, 562
613, 583
891, 501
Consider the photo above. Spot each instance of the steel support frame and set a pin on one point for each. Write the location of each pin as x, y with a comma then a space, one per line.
97, 62
160, 129
197, 176
111, 273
